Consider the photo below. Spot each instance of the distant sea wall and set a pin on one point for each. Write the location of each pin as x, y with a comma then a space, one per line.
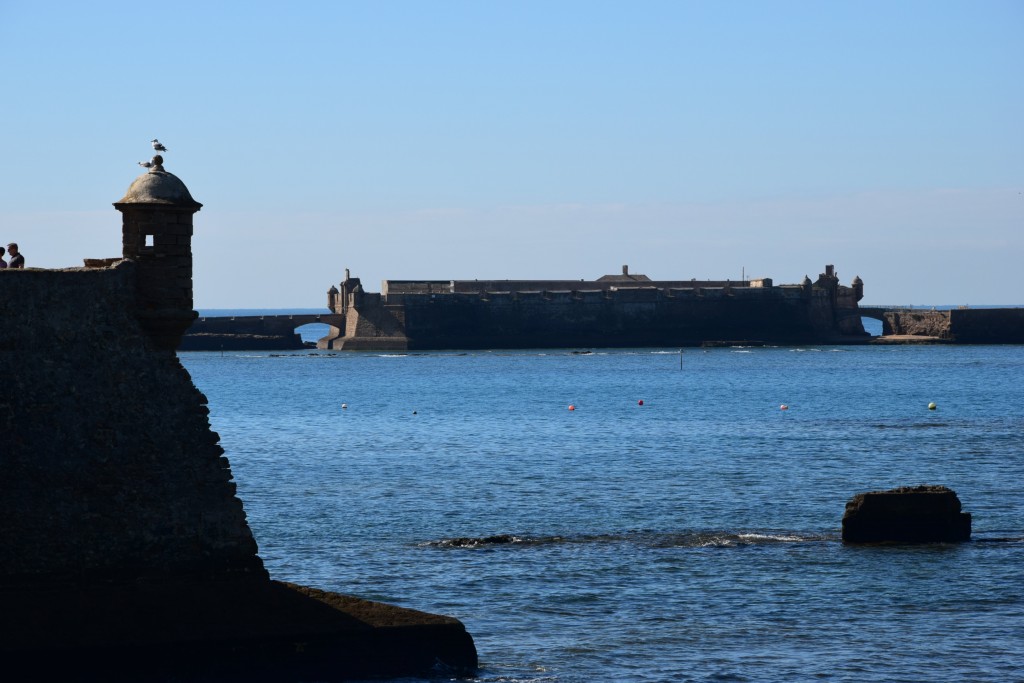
623, 318
987, 325
917, 323
961, 325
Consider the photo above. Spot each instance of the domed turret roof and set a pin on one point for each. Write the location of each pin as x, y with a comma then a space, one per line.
159, 187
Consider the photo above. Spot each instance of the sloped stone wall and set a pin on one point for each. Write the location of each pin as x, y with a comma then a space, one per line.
108, 466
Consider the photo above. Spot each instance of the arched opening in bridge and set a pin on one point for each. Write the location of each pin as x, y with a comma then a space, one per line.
872, 326
312, 332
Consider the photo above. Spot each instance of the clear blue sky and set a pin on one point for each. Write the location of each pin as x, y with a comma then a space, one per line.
529, 140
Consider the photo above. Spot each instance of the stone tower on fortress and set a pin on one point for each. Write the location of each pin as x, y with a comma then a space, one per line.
125, 553
156, 233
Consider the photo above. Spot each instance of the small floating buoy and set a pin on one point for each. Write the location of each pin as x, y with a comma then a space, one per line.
344, 406
783, 407
414, 412
572, 407
932, 406
640, 402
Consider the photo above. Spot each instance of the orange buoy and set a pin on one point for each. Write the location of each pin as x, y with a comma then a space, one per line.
572, 407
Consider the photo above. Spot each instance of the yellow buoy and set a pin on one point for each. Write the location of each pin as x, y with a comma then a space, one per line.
931, 406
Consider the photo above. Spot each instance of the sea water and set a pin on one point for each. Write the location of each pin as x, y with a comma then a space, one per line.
695, 537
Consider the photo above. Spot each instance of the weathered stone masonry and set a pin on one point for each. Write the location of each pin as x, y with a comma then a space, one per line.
961, 325
612, 311
107, 461
124, 553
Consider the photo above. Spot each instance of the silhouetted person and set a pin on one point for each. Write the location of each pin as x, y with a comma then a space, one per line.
3, 264
17, 260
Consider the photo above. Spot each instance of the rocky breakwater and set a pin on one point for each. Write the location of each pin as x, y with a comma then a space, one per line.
909, 514
124, 553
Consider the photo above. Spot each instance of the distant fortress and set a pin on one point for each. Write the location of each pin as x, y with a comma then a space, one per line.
623, 310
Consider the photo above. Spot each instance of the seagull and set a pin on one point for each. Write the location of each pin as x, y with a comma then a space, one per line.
159, 146
146, 164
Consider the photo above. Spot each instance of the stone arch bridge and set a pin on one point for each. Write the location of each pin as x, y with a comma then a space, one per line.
883, 313
214, 333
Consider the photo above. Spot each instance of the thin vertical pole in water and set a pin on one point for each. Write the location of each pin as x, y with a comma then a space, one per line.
680, 359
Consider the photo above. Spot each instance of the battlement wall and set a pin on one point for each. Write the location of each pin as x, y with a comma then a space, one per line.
646, 316
392, 287
650, 292
559, 290
468, 286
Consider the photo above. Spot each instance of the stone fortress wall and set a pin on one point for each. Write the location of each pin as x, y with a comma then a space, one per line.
614, 311
987, 325
961, 325
109, 465
124, 553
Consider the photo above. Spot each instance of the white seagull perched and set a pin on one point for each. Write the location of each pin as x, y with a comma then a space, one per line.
159, 146
146, 164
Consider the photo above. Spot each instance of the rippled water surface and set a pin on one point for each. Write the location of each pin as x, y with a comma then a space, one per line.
691, 538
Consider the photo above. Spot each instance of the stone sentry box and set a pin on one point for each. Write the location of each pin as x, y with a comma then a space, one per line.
156, 228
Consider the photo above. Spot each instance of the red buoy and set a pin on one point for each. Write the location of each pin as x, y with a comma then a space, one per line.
572, 407
640, 402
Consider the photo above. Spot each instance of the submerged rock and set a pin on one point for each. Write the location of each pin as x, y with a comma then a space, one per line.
467, 542
909, 514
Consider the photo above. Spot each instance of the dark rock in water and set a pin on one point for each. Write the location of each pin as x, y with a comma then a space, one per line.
465, 542
909, 514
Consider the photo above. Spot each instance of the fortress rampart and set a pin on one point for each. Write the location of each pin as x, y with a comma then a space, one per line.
612, 311
92, 490
961, 325
987, 325
125, 554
